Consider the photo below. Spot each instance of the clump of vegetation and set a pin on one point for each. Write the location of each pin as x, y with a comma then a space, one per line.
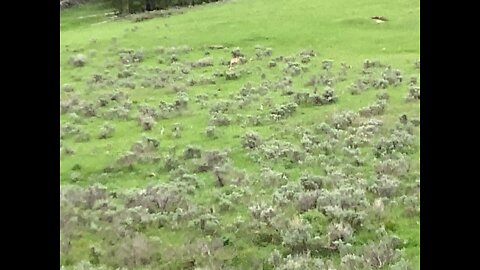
272, 178
211, 132
417, 64
68, 130
232, 75
396, 167
383, 96
392, 76
219, 119
399, 141
297, 235
344, 204
106, 131
385, 186
307, 200
337, 234
293, 69
251, 140
343, 120
192, 152
78, 60
382, 253
327, 64
82, 137
68, 88
142, 151
204, 62
128, 56
147, 122
311, 182
372, 64
413, 93
327, 97
211, 159
375, 109
158, 198
283, 111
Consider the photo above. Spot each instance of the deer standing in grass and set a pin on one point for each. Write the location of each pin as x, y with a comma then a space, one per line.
234, 61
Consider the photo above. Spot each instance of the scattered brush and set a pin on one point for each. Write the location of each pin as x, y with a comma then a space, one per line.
78, 60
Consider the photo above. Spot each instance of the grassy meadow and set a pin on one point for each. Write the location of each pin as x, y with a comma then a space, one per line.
303, 156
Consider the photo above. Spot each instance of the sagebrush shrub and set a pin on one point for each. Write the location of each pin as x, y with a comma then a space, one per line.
377, 108
353, 262
78, 60
287, 193
311, 182
68, 88
308, 52
211, 132
251, 140
204, 62
272, 178
117, 112
181, 175
307, 200
380, 83
82, 137
192, 152
263, 212
75, 177
413, 93
134, 251
219, 119
127, 160
68, 130
128, 56
67, 150
372, 64
297, 235
212, 158
392, 76
293, 69
399, 141
396, 167
327, 64
346, 203
147, 122
338, 232
221, 106
302, 98
106, 131
283, 111
382, 253
208, 223
411, 204
158, 198
343, 119
402, 264
304, 261
383, 96
327, 97
232, 75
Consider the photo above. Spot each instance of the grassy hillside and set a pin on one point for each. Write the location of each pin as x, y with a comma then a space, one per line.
172, 160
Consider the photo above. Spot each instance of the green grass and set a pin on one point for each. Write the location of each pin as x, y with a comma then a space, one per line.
340, 30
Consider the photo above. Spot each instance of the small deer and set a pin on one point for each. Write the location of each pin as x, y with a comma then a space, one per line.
234, 61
